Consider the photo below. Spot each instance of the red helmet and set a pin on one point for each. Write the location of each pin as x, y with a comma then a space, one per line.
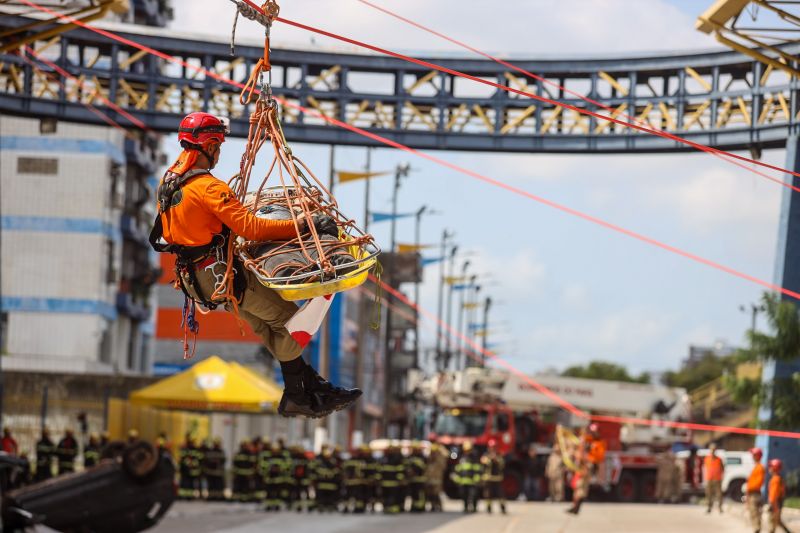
202, 128
757, 453
492, 444
776, 464
593, 427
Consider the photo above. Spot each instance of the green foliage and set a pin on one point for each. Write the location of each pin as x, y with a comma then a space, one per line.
708, 368
783, 344
605, 370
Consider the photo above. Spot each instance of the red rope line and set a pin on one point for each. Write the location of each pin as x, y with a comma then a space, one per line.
721, 154
566, 404
135, 121
473, 174
447, 70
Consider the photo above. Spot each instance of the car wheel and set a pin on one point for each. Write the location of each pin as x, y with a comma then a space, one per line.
140, 459
735, 490
626, 487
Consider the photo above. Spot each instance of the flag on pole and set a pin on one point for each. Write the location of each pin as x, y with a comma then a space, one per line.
430, 260
307, 320
471, 305
452, 280
383, 217
407, 248
344, 177
461, 286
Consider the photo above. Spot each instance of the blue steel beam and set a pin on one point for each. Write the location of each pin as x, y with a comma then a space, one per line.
719, 99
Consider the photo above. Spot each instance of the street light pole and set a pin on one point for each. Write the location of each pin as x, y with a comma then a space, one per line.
460, 326
471, 313
439, 331
363, 311
400, 172
487, 303
417, 276
448, 320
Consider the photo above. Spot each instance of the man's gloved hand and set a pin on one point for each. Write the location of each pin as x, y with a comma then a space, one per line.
325, 224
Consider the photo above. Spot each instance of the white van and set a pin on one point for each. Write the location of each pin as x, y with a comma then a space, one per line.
738, 466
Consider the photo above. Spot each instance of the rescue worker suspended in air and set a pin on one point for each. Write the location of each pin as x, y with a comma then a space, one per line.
197, 215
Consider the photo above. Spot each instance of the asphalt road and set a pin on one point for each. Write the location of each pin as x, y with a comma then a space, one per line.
523, 517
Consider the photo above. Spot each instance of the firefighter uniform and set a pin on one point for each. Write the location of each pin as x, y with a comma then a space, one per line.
371, 477
327, 481
355, 498
276, 483
189, 470
244, 473
775, 495
264, 455
392, 480
66, 451
214, 471
434, 476
713, 470
665, 467
45, 452
299, 495
91, 453
493, 472
416, 468
468, 475
753, 499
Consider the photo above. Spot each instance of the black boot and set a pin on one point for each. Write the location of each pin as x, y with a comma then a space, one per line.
308, 394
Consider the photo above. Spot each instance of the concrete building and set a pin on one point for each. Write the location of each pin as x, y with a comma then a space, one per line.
76, 207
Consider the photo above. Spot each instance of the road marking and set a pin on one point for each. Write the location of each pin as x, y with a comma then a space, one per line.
511, 525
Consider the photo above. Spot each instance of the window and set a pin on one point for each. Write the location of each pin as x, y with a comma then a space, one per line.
501, 422
733, 460
37, 165
3, 333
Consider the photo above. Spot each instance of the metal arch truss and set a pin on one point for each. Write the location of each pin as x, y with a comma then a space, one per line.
720, 99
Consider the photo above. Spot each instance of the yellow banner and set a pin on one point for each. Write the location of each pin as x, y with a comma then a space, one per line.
407, 248
472, 306
353, 176
453, 280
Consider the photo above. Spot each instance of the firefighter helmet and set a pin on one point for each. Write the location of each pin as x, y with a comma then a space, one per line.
776, 464
203, 128
757, 453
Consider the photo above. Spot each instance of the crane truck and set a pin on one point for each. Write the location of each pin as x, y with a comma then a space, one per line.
485, 404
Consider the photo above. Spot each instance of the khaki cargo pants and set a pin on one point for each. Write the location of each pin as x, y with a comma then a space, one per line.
754, 509
262, 308
714, 493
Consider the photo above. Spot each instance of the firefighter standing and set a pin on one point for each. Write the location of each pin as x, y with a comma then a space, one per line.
467, 475
301, 479
713, 470
416, 469
596, 453
45, 452
493, 471
354, 484
434, 476
554, 470
371, 477
91, 452
189, 469
214, 470
264, 451
580, 484
755, 482
665, 467
327, 480
392, 477
244, 472
277, 470
66, 451
9, 443
776, 494
197, 215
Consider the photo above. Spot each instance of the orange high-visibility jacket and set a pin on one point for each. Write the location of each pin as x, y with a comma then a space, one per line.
713, 468
756, 479
776, 489
597, 451
204, 203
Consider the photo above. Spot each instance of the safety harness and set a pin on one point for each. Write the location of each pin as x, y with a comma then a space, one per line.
189, 258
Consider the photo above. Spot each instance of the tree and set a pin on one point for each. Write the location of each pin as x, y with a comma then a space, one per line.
708, 368
605, 370
782, 345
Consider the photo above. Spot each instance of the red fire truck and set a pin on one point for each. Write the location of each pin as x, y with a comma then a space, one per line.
481, 405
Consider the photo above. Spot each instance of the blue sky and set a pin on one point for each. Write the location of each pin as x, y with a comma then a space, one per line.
566, 291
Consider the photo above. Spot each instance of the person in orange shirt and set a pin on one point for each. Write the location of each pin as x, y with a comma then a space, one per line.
775, 494
197, 215
713, 469
596, 453
754, 485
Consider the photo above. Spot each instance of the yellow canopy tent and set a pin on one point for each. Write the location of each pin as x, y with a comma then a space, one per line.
212, 385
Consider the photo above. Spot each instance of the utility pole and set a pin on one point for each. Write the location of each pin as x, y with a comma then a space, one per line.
487, 303
363, 313
324, 335
418, 275
400, 172
460, 326
470, 329
448, 320
439, 329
